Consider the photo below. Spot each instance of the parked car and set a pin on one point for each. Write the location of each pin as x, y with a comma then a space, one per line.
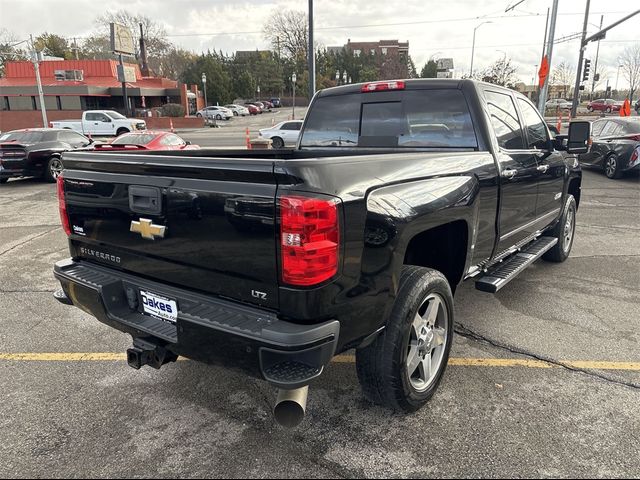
256, 105
238, 109
148, 140
215, 111
282, 134
358, 239
607, 105
253, 109
37, 152
614, 141
101, 122
262, 105
275, 101
267, 104
637, 106
558, 103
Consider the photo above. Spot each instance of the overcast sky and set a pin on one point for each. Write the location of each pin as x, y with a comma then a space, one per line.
433, 28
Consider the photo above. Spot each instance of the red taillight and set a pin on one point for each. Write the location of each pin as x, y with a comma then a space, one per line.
309, 239
380, 86
62, 206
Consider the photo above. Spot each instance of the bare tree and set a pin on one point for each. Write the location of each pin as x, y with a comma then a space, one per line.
10, 49
563, 75
502, 72
630, 61
288, 33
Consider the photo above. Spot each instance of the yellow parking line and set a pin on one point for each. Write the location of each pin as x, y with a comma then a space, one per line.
456, 361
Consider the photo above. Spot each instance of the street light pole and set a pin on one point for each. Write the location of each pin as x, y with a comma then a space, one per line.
293, 81
617, 75
204, 88
473, 45
312, 55
595, 66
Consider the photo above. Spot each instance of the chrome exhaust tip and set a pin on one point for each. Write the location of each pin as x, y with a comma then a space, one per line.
291, 406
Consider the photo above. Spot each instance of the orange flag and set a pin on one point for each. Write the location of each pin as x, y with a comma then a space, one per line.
544, 70
625, 110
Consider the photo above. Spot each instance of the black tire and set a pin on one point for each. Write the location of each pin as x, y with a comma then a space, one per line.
564, 231
199, 115
218, 117
589, 109
54, 167
611, 166
382, 366
277, 143
121, 131
235, 114
3, 180
608, 110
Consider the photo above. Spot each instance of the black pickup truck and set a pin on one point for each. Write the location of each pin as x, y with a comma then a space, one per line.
274, 261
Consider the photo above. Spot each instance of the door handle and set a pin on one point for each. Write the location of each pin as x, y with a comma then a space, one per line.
543, 168
509, 173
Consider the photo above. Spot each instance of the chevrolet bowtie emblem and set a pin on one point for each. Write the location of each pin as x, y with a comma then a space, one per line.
147, 229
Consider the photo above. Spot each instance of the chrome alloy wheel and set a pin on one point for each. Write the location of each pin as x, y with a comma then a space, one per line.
55, 168
569, 227
427, 341
611, 166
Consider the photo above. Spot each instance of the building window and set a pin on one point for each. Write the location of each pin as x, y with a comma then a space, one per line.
5, 103
34, 104
357, 52
384, 50
373, 51
58, 102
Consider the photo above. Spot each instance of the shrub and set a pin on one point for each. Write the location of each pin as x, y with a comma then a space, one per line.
172, 110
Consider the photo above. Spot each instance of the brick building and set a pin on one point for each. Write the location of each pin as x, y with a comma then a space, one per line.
72, 86
391, 56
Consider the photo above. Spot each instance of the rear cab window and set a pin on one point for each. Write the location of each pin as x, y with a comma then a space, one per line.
430, 118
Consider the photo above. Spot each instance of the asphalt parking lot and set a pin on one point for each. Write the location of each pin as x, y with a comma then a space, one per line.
544, 378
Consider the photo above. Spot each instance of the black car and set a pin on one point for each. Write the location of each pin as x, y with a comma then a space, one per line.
614, 143
36, 152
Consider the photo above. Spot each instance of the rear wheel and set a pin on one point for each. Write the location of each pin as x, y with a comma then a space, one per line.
403, 367
277, 142
235, 114
199, 115
218, 117
608, 110
564, 231
3, 180
589, 109
612, 166
54, 169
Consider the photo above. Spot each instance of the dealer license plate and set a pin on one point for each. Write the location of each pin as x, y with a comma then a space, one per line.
159, 306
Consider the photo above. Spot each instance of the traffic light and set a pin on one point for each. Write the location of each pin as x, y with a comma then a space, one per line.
596, 77
587, 65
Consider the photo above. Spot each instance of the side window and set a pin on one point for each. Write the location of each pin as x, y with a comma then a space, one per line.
504, 119
535, 126
175, 140
291, 126
72, 138
91, 117
611, 130
596, 128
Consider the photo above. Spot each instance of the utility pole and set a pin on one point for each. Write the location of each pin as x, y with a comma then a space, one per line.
544, 46
312, 55
595, 65
75, 48
280, 69
36, 66
542, 100
583, 46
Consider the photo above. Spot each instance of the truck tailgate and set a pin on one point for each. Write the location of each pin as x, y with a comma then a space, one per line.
204, 224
